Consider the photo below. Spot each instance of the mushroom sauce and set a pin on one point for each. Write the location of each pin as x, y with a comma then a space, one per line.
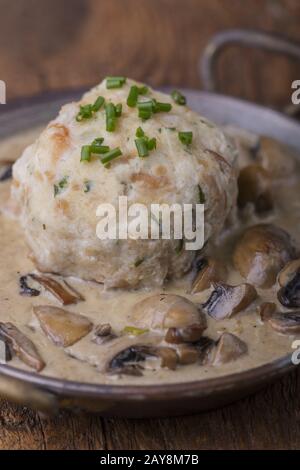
80, 331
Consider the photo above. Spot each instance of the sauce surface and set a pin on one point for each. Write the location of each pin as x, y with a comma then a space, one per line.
79, 362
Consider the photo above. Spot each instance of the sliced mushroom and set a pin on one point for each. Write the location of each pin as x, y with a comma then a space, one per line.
226, 300
266, 310
228, 348
187, 354
5, 171
261, 252
163, 311
254, 185
286, 323
103, 333
25, 289
22, 346
62, 327
289, 280
189, 334
62, 291
275, 158
209, 270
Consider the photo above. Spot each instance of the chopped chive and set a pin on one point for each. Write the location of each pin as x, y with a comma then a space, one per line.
98, 141
99, 149
139, 132
144, 115
142, 147
178, 97
115, 82
161, 107
85, 112
111, 155
133, 330
201, 195
143, 90
98, 104
85, 153
151, 144
185, 137
110, 111
145, 106
133, 96
118, 108
61, 185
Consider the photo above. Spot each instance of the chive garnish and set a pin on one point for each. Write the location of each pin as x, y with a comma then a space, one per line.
118, 109
133, 96
140, 132
98, 103
143, 143
98, 141
61, 185
110, 111
143, 90
145, 109
142, 147
178, 97
99, 149
85, 153
115, 82
88, 110
111, 155
161, 107
185, 137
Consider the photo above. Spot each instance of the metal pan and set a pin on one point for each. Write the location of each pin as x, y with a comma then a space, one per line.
49, 394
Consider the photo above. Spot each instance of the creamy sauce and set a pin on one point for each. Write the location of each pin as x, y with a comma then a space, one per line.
79, 362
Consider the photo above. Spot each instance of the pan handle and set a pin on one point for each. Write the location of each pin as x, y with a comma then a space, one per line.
242, 37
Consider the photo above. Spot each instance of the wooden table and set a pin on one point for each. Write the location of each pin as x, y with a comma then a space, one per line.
58, 44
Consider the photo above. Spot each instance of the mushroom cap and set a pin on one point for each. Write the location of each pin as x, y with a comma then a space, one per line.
254, 185
163, 311
261, 252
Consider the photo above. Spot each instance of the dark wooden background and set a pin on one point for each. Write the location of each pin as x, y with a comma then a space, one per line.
57, 44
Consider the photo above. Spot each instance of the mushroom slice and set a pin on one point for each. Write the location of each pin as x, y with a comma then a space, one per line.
190, 334
289, 280
5, 170
25, 289
226, 300
254, 186
62, 327
228, 348
287, 322
187, 354
163, 311
275, 158
62, 291
103, 333
209, 270
266, 310
22, 346
261, 252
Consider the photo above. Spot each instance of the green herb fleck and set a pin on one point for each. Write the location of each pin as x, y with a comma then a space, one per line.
87, 111
185, 137
138, 262
132, 330
61, 186
178, 97
115, 82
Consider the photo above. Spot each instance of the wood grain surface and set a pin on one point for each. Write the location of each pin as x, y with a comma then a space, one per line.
58, 44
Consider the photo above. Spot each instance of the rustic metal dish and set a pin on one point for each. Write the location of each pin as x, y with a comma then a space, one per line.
49, 394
